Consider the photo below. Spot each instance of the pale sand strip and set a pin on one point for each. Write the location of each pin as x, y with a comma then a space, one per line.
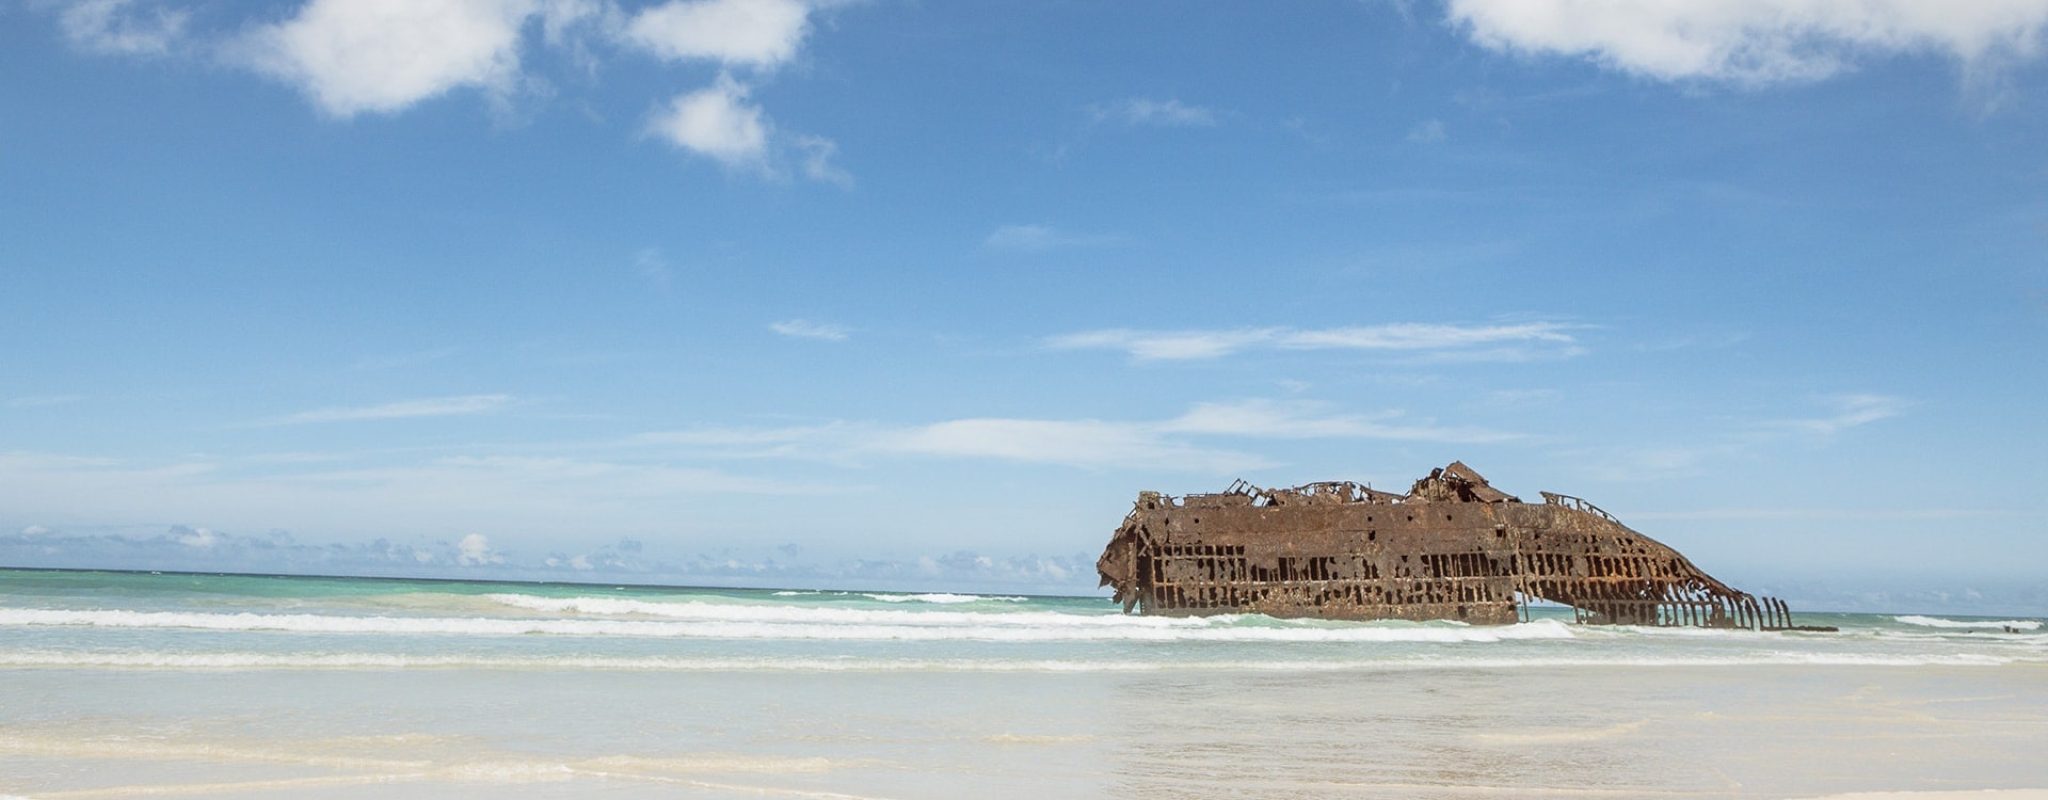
1979, 794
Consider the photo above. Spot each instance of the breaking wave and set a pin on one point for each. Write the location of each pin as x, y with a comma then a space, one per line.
1938, 622
973, 627
941, 598
732, 612
378, 661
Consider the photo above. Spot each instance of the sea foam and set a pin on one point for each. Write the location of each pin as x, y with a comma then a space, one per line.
1058, 628
1938, 622
47, 659
735, 612
942, 598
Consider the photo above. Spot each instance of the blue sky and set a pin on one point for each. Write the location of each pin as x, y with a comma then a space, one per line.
780, 291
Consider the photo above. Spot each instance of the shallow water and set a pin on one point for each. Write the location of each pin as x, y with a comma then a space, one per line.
115, 685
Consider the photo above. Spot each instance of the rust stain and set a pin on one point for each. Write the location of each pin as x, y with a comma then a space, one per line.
1452, 548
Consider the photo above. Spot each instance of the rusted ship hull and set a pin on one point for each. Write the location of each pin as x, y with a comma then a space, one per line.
1453, 548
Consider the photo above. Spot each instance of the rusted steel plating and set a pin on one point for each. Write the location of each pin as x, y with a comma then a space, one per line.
1453, 547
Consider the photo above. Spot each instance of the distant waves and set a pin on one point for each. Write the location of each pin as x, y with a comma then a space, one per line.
942, 598
47, 659
708, 621
2002, 624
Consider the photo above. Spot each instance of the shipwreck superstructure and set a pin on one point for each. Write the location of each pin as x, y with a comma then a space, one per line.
1452, 548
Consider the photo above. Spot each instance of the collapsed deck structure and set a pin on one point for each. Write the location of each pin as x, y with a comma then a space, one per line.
1452, 548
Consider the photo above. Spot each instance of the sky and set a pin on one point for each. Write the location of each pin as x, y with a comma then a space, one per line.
897, 293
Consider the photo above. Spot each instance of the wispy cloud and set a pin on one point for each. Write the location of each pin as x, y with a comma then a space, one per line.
1043, 237
1829, 514
123, 27
460, 405
832, 441
1303, 420
806, 329
653, 267
1523, 397
1849, 411
816, 158
390, 361
1429, 131
1641, 462
1085, 443
401, 492
1656, 461
1185, 442
42, 400
1148, 111
1533, 339
477, 554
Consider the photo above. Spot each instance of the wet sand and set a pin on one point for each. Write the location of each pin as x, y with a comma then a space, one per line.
1755, 732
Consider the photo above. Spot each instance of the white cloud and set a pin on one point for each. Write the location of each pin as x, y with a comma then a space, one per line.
352, 57
719, 121
428, 407
33, 531
381, 56
1446, 340
716, 122
1145, 111
201, 538
475, 550
122, 27
753, 33
1754, 41
806, 329
1042, 237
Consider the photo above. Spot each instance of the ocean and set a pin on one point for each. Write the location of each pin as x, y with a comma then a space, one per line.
131, 685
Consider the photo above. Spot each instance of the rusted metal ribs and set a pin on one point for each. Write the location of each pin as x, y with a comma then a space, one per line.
1452, 548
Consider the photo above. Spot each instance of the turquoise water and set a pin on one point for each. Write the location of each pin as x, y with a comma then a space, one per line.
107, 620
127, 684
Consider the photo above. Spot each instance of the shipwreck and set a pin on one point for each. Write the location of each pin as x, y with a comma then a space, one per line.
1452, 548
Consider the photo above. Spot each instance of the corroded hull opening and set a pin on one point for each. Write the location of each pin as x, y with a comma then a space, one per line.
1452, 548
